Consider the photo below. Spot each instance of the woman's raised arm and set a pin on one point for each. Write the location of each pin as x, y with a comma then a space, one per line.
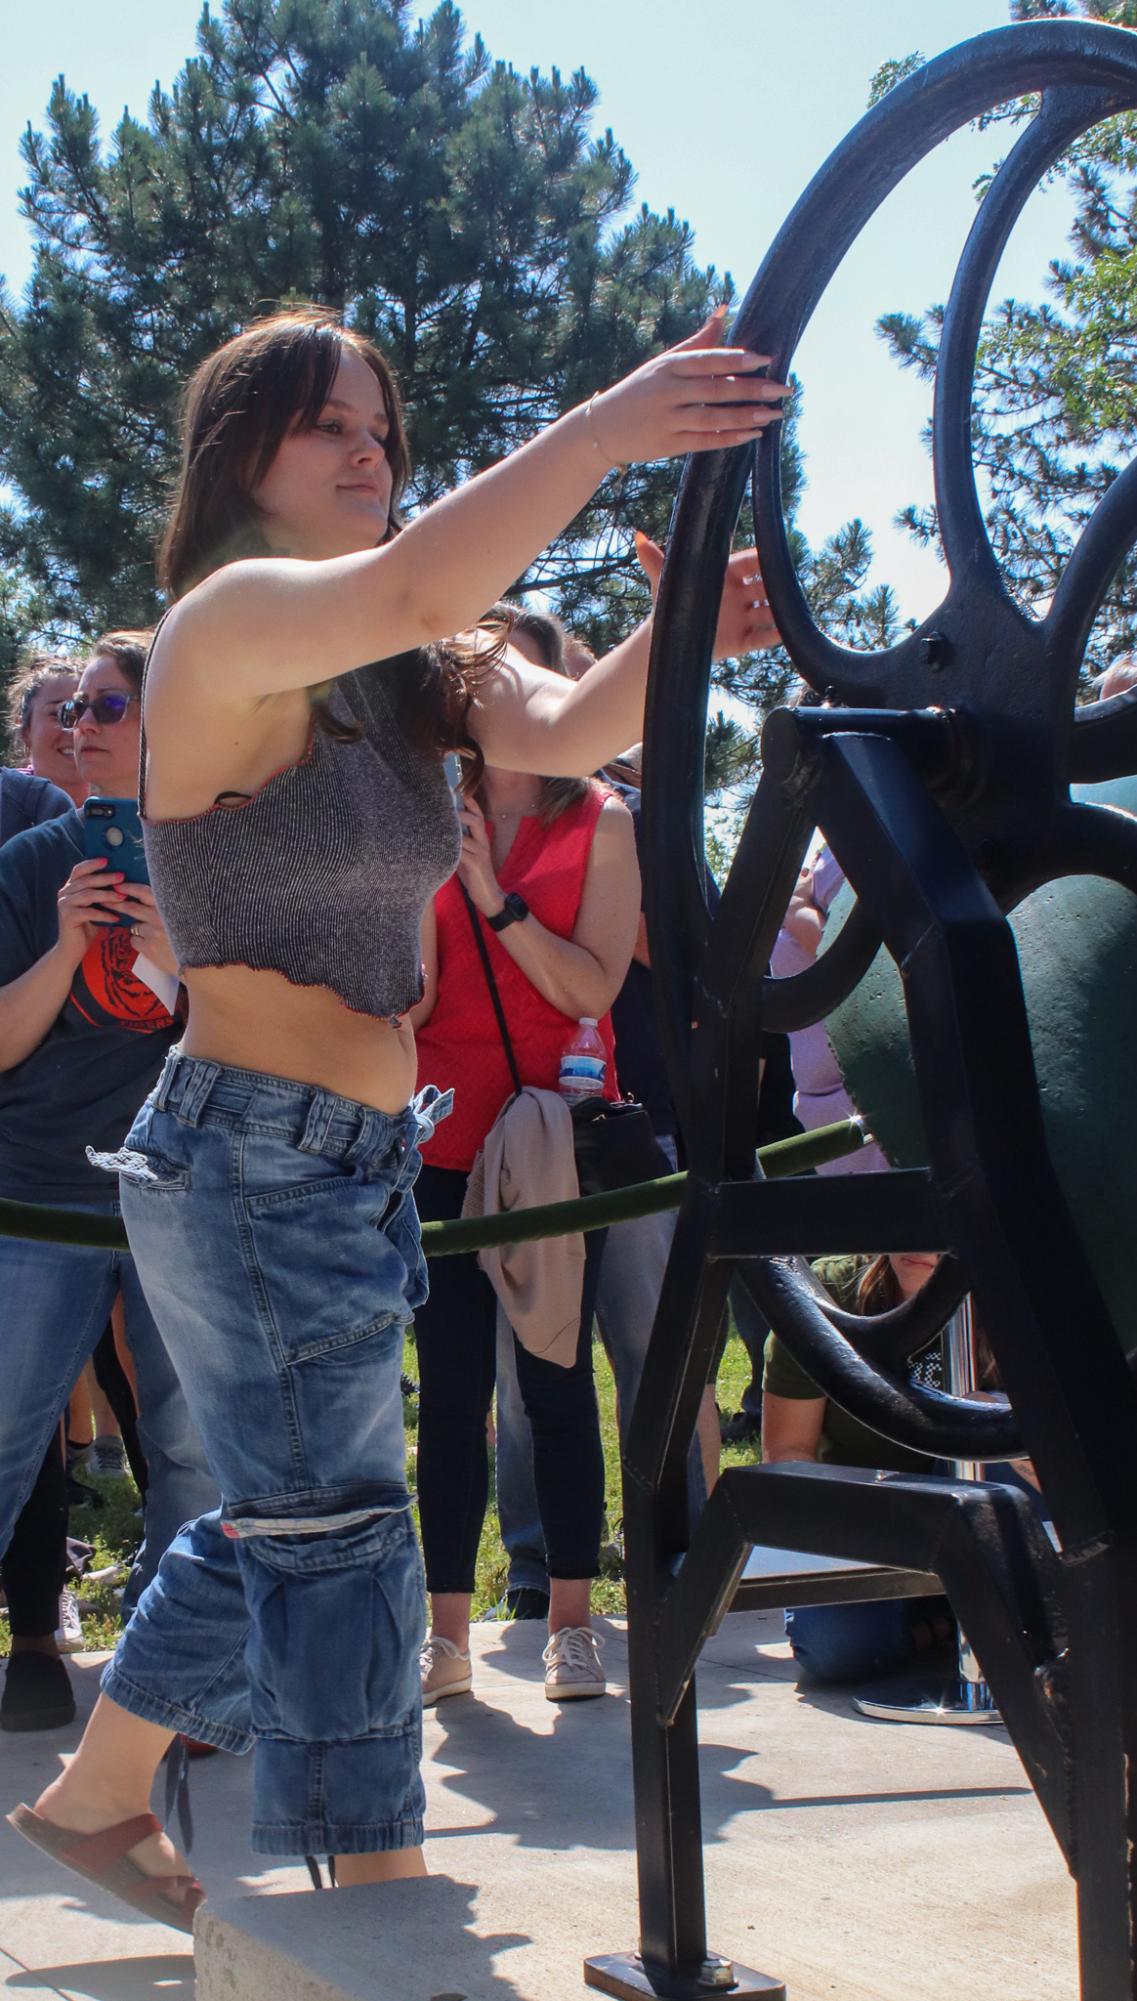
268, 625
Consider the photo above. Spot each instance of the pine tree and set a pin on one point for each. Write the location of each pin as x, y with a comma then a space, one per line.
466, 217
463, 215
1056, 382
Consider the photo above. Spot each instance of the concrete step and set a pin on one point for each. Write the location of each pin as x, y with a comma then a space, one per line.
857, 1861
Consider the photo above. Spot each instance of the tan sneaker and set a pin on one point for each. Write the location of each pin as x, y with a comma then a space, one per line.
444, 1670
572, 1664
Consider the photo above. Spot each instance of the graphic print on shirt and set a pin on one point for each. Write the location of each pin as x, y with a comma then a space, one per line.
106, 990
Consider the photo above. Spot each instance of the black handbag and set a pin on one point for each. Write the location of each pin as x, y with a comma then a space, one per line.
613, 1139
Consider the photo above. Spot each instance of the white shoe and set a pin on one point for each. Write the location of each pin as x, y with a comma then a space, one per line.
69, 1632
445, 1670
572, 1664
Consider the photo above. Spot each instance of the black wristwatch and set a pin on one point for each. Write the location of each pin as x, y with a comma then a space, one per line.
512, 911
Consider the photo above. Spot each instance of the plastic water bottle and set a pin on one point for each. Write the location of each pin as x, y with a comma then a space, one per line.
584, 1063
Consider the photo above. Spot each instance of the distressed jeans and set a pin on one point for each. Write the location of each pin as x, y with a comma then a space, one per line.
275, 1232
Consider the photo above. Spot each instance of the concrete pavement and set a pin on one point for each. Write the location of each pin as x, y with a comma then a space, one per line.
858, 1861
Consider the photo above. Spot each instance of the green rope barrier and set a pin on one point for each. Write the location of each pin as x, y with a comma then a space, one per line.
480, 1233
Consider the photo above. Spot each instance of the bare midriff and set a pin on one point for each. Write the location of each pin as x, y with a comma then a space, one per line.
261, 1021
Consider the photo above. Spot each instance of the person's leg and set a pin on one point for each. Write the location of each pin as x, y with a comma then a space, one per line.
752, 1328
106, 1444
118, 1389
60, 1295
568, 1458
277, 1243
454, 1332
179, 1667
841, 1643
294, 1383
518, 1513
37, 1691
180, 1486
630, 1281
36, 1559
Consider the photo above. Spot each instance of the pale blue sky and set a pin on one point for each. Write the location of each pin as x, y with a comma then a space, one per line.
725, 108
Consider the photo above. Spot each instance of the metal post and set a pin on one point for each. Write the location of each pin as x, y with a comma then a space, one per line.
962, 1697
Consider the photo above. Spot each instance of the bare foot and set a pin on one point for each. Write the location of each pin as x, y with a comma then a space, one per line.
63, 1804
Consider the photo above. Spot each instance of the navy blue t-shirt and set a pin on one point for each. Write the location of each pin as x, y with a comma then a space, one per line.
85, 1081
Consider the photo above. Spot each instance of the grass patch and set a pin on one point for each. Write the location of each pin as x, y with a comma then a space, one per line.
115, 1531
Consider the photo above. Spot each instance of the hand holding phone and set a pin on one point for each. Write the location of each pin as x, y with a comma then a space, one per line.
112, 834
91, 898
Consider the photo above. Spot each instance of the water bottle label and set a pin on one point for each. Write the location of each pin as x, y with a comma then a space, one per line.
587, 1068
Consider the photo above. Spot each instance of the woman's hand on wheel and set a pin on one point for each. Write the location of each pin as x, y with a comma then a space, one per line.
696, 397
745, 623
475, 869
89, 900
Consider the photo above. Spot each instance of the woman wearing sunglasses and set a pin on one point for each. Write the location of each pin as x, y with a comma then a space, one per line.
298, 821
82, 1039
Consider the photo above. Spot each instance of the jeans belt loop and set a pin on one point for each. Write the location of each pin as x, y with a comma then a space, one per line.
201, 1079
318, 1124
166, 1077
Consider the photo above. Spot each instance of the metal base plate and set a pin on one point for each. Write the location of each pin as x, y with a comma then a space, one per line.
943, 1699
625, 1975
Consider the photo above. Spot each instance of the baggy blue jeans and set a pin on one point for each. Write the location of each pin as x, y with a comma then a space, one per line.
276, 1236
57, 1301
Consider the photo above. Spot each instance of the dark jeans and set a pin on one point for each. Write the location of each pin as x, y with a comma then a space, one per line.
455, 1332
36, 1558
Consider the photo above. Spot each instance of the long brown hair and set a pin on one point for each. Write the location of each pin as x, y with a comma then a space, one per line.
878, 1290
548, 636
240, 405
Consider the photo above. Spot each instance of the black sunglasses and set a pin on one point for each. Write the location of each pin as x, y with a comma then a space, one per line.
109, 707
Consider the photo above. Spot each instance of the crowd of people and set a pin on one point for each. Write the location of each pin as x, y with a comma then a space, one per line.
381, 900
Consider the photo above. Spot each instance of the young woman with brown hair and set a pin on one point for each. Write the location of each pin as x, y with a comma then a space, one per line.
298, 820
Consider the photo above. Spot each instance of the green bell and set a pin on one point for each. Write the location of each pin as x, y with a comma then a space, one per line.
1077, 947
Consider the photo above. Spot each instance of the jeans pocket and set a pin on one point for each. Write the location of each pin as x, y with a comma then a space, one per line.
337, 1623
140, 1160
151, 1171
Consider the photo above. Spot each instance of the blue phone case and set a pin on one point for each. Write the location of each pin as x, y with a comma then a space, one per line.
112, 828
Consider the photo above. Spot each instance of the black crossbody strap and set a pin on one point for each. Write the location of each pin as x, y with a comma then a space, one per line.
484, 956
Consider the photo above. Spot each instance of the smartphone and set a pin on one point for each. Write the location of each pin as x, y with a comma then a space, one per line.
452, 766
112, 829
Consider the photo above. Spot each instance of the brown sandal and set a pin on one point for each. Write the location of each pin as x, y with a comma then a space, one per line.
103, 1859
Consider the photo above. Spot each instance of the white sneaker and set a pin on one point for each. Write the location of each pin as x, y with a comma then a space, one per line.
69, 1632
445, 1670
572, 1664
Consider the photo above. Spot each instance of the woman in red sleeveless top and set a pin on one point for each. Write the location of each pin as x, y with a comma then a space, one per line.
566, 848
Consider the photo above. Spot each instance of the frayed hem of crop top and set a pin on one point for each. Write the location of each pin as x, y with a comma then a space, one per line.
314, 986
233, 802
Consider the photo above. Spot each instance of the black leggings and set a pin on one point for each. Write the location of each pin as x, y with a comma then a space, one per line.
455, 1334
36, 1558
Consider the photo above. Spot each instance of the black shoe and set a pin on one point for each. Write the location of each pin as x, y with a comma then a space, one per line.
521, 1602
740, 1428
37, 1694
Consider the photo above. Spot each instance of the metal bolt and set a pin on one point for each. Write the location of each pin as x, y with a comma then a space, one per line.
935, 650
717, 1973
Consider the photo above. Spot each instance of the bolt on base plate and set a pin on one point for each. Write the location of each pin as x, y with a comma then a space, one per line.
624, 1975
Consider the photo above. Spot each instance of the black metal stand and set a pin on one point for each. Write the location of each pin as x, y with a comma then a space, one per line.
943, 818
625, 1976
963, 1699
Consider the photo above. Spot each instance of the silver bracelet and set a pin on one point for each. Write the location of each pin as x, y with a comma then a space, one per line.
594, 435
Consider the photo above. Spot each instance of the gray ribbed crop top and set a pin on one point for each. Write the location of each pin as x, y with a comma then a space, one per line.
323, 875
